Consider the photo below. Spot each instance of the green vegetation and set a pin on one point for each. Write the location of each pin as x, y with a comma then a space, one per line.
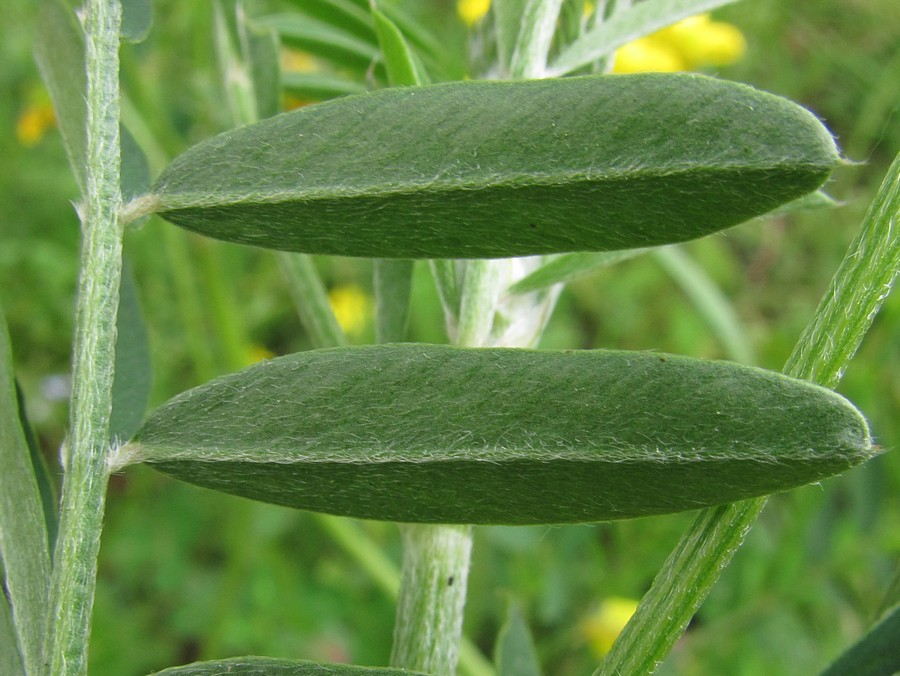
189, 574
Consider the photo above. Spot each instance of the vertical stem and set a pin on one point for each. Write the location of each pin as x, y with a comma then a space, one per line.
84, 485
432, 597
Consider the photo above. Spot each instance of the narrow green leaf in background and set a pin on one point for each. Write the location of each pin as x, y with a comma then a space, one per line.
430, 433
502, 169
23, 533
515, 654
59, 52
45, 482
325, 41
133, 376
137, 17
399, 60
628, 23
507, 16
350, 15
271, 666
569, 267
259, 49
876, 654
319, 86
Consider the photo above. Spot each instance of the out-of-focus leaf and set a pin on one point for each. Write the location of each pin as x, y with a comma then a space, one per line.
137, 17
271, 666
23, 533
514, 654
134, 175
349, 15
59, 52
875, 654
134, 371
46, 484
10, 659
399, 60
633, 21
502, 169
429, 433
324, 41
318, 86
568, 267
508, 23
259, 48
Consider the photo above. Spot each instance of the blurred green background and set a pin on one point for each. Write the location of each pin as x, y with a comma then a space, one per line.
189, 574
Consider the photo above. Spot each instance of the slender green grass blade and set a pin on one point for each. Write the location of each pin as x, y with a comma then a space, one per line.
875, 654
23, 533
393, 283
271, 666
502, 169
709, 302
349, 15
515, 654
318, 86
625, 25
59, 52
429, 433
858, 290
259, 49
325, 41
399, 60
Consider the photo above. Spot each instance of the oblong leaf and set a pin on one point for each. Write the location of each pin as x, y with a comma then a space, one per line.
272, 666
430, 433
488, 169
24, 555
875, 654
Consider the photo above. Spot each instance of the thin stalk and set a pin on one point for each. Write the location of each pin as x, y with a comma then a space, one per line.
432, 597
858, 290
84, 485
538, 25
311, 300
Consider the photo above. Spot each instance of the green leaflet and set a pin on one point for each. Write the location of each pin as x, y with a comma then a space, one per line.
502, 169
271, 666
429, 433
24, 557
875, 654
514, 653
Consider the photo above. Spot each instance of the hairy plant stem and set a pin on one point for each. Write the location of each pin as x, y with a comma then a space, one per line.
432, 597
858, 290
84, 484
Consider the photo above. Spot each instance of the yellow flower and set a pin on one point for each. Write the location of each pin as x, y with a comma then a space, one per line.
33, 122
646, 55
601, 627
471, 11
257, 353
352, 308
691, 43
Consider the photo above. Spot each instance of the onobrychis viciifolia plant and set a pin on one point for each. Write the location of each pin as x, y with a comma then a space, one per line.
509, 189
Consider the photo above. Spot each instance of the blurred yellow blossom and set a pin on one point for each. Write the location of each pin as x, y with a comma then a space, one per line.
352, 308
471, 11
601, 627
257, 353
691, 43
34, 121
